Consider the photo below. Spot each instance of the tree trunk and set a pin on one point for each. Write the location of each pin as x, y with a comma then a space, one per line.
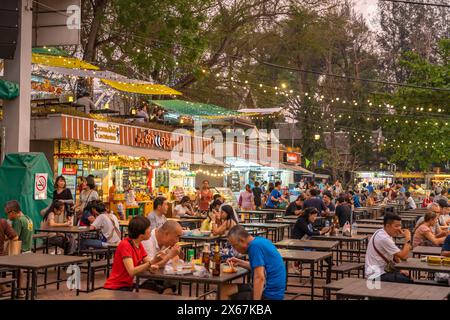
90, 49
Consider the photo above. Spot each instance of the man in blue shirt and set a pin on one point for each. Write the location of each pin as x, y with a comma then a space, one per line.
356, 201
265, 263
275, 197
370, 187
446, 247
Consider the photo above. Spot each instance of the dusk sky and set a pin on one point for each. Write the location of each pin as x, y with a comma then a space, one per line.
368, 8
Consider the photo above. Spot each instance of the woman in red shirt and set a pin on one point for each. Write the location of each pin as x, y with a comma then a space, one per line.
427, 200
130, 257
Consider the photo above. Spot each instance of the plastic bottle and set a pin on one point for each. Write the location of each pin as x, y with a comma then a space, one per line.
354, 229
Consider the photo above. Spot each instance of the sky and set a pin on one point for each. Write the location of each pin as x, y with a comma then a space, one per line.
369, 9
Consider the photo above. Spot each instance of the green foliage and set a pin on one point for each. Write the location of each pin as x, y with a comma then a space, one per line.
418, 132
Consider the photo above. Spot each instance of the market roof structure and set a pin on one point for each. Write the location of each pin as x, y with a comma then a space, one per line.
195, 109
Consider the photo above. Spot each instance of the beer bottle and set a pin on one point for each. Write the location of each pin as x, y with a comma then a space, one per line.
217, 261
205, 257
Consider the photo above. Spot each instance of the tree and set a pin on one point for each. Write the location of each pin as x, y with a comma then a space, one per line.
408, 27
418, 125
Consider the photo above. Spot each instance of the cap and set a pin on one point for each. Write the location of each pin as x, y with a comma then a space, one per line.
443, 203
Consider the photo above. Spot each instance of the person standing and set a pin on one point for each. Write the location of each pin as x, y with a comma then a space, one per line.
370, 187
204, 197
246, 199
257, 193
87, 195
63, 194
275, 197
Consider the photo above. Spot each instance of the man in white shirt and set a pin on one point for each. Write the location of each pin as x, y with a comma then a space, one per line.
382, 251
162, 245
161, 248
108, 224
410, 204
157, 216
86, 101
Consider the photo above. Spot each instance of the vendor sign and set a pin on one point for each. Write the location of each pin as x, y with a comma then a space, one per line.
106, 132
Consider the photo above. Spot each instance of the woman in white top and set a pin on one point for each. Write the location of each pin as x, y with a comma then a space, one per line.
184, 208
108, 224
87, 194
130, 196
65, 241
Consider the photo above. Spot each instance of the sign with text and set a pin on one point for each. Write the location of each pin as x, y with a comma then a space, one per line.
154, 139
40, 186
106, 132
292, 157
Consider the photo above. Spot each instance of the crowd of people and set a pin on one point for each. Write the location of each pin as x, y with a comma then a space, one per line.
152, 241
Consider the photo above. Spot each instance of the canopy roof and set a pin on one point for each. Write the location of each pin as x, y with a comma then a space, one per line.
50, 51
76, 67
194, 109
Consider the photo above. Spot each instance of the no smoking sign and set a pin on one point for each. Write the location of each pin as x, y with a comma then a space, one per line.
40, 186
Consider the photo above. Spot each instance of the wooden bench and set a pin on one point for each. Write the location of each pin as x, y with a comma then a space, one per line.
336, 286
8, 281
347, 267
43, 236
102, 265
431, 283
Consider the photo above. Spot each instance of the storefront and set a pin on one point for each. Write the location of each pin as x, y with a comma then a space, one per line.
242, 172
126, 154
376, 177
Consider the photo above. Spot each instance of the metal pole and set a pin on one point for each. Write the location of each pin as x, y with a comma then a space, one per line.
3, 142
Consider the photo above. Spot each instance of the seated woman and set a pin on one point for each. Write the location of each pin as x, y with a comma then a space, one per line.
130, 257
424, 236
184, 208
64, 241
371, 200
226, 222
304, 225
108, 224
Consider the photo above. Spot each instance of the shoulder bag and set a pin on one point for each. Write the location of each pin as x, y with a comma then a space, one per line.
390, 265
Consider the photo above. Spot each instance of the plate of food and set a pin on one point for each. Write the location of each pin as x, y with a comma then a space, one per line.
206, 233
230, 270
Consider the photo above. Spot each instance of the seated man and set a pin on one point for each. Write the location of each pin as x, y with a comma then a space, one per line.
266, 265
382, 253
446, 247
161, 248
295, 207
162, 245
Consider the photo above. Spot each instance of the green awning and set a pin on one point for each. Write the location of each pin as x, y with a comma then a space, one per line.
8, 90
194, 109
50, 51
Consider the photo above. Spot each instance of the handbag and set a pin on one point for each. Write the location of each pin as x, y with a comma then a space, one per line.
390, 265
13, 247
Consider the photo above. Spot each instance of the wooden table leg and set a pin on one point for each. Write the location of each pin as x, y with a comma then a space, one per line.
33, 284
